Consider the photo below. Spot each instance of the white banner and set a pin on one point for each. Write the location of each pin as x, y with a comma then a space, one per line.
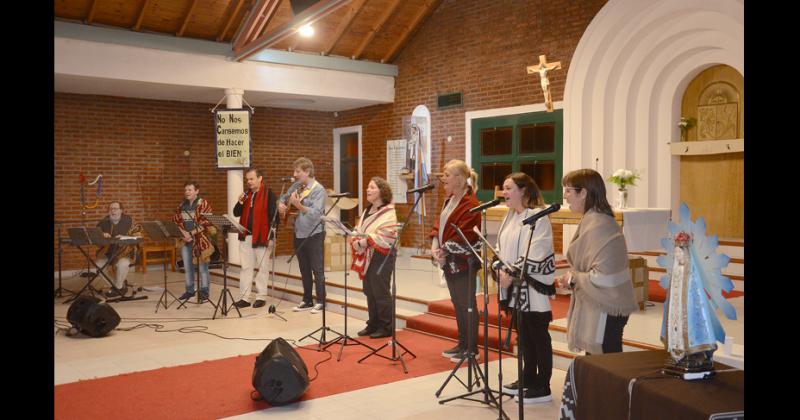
232, 128
395, 162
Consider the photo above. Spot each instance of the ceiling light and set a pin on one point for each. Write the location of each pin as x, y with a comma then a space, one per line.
306, 31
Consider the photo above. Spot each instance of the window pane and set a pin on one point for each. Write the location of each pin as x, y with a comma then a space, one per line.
542, 172
493, 174
537, 138
496, 141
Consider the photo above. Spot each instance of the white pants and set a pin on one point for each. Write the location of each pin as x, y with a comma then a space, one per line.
252, 258
121, 269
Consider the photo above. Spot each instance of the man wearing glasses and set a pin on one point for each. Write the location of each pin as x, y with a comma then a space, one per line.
114, 225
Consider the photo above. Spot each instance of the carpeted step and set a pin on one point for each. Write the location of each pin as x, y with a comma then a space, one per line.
559, 306
656, 294
446, 327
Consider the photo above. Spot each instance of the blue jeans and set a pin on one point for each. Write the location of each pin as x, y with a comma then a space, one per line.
188, 265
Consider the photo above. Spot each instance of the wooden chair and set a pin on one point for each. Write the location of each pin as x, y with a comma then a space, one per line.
166, 251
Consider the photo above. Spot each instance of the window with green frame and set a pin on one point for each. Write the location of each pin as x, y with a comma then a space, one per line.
530, 143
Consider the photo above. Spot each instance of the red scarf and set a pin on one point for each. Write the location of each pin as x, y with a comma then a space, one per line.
260, 217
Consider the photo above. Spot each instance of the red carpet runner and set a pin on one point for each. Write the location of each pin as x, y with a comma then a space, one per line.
221, 388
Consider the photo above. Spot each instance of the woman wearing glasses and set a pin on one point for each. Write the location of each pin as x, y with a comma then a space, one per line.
602, 293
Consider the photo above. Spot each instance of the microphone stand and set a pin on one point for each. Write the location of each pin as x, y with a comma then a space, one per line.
273, 235
518, 282
472, 364
393, 254
324, 326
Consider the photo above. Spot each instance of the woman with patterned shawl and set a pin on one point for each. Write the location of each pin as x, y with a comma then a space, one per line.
377, 231
524, 200
196, 230
454, 257
602, 292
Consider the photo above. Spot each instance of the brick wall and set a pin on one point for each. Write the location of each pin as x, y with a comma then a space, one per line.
138, 145
480, 48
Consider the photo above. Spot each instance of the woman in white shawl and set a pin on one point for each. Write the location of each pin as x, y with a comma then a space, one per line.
524, 200
378, 229
602, 293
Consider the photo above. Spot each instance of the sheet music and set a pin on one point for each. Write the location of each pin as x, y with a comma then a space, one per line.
395, 161
339, 228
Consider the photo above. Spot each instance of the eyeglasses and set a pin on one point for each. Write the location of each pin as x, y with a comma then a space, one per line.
114, 208
572, 188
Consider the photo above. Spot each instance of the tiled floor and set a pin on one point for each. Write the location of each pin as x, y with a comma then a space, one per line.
185, 336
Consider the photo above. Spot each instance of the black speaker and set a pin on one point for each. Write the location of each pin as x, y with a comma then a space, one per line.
92, 317
280, 375
298, 6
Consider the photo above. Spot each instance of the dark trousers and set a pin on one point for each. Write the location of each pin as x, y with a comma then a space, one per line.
310, 258
612, 339
379, 297
537, 349
462, 292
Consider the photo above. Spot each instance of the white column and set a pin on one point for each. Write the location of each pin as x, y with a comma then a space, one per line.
233, 98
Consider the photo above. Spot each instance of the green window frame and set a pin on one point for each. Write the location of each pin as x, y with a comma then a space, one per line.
517, 159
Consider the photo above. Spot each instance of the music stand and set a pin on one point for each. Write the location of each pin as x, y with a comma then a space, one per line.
57, 292
94, 236
160, 231
198, 281
224, 222
393, 342
487, 246
339, 229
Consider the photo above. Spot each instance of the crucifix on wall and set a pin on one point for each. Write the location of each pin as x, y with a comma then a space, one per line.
542, 68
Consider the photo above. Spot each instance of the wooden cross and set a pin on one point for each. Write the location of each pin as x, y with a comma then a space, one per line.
542, 68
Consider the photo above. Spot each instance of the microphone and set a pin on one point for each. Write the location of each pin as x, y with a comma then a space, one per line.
487, 205
340, 195
552, 209
421, 189
287, 179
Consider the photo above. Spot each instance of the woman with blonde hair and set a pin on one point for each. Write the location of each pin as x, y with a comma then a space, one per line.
453, 255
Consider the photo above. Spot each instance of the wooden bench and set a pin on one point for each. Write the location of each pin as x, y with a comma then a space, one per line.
167, 251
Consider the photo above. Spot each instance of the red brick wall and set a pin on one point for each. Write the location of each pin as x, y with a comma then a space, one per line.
138, 145
480, 48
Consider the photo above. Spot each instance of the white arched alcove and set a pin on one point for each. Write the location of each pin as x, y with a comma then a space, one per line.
422, 114
622, 99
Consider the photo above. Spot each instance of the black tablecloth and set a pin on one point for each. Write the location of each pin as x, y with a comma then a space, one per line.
598, 387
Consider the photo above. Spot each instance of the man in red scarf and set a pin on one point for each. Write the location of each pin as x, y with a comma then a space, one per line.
256, 210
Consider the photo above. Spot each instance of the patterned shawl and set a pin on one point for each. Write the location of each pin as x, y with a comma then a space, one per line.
599, 260
203, 248
380, 229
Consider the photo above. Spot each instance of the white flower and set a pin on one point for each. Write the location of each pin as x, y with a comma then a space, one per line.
619, 173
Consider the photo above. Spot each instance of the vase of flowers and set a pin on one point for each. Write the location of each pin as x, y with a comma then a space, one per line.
684, 124
623, 178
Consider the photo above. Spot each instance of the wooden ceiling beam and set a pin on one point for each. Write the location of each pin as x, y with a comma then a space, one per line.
314, 13
186, 19
351, 14
227, 26
375, 29
139, 18
429, 7
249, 26
262, 26
90, 16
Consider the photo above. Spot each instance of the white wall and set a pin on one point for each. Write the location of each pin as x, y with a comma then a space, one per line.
623, 92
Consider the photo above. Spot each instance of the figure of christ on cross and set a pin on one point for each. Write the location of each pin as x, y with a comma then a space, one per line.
542, 68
